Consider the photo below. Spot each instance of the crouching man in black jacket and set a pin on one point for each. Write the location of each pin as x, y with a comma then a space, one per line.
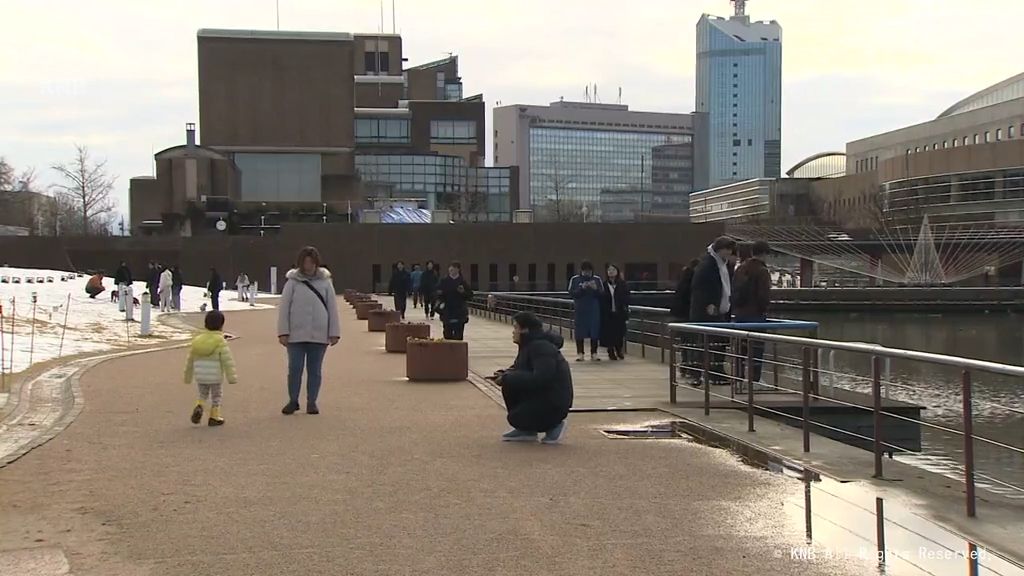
538, 387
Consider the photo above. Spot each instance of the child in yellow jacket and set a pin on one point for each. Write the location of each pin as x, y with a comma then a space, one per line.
210, 361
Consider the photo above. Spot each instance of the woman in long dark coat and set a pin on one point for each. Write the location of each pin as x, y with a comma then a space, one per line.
614, 313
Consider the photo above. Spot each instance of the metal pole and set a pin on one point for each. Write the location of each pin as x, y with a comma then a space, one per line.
775, 365
968, 444
706, 377
972, 559
3, 353
664, 339
749, 373
876, 397
672, 370
807, 507
880, 529
67, 308
32, 336
806, 399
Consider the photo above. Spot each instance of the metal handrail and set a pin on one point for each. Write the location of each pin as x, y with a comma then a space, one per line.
858, 347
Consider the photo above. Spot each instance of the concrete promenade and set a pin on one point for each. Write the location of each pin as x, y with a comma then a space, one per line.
392, 478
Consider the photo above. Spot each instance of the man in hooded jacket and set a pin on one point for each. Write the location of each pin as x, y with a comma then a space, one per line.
538, 387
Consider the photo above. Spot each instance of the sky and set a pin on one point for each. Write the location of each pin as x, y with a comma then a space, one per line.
120, 76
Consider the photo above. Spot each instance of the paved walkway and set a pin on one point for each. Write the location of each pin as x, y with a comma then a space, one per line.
392, 478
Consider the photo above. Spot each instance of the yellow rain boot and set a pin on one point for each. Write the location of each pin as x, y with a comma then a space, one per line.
215, 417
197, 412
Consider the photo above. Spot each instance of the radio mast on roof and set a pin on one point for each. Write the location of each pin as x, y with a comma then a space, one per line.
741, 7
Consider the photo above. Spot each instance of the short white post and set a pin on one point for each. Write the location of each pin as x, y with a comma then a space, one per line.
253, 289
129, 303
273, 279
144, 329
120, 297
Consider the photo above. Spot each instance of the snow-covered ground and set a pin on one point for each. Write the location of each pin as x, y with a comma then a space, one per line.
92, 324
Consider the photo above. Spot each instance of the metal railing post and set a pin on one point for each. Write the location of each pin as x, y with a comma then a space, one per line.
806, 399
876, 398
775, 366
749, 374
706, 375
664, 340
814, 368
880, 529
672, 376
968, 444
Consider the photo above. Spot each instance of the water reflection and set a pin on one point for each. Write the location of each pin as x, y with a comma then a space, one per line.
998, 401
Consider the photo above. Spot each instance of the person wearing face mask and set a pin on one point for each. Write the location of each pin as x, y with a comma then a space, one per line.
452, 294
586, 291
614, 314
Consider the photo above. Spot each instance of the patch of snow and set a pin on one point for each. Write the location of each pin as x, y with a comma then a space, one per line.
92, 324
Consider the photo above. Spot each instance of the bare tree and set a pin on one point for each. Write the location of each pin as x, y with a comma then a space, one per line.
86, 192
6, 175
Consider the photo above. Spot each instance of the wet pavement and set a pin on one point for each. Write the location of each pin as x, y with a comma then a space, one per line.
391, 478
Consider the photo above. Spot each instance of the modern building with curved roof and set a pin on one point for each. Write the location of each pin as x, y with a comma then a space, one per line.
820, 165
994, 114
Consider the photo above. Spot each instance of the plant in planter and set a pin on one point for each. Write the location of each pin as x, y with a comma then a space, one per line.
436, 360
363, 309
377, 320
397, 334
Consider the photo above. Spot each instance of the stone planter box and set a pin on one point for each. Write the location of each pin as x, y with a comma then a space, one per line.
357, 298
397, 334
436, 360
363, 309
377, 320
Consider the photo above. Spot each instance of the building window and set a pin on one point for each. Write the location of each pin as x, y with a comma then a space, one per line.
474, 276
999, 134
551, 276
954, 142
964, 141
988, 136
945, 144
492, 277
750, 141
453, 91
735, 95
1009, 132
453, 131
976, 139
531, 276
570, 271
935, 146
917, 149
375, 276
382, 130
371, 59
736, 142
908, 151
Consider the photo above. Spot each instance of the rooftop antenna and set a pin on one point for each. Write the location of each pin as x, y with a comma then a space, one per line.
586, 93
741, 7
381, 16
393, 27
277, 6
596, 99
620, 96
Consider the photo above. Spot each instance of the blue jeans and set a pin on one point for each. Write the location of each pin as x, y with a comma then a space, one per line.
312, 355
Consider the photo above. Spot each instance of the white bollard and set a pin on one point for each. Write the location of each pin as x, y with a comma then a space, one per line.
120, 297
144, 329
253, 289
273, 280
129, 303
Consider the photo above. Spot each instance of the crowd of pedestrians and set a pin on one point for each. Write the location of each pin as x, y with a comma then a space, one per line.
446, 297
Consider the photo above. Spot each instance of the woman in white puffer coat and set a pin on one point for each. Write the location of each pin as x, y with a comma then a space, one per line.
307, 323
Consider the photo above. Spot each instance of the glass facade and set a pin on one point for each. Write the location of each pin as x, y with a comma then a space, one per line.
382, 131
990, 197
453, 131
279, 177
569, 167
443, 182
739, 86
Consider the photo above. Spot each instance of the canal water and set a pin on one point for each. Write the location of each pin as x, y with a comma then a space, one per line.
998, 401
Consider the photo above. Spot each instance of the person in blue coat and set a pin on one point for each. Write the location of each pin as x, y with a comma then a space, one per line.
586, 291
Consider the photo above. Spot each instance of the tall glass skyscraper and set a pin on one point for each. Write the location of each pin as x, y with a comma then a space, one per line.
739, 87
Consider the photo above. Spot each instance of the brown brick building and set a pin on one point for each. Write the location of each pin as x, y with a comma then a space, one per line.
316, 126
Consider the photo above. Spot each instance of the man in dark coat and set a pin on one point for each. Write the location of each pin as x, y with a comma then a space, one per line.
538, 387
177, 282
711, 289
213, 287
681, 300
752, 285
123, 275
452, 294
428, 289
153, 283
711, 299
399, 287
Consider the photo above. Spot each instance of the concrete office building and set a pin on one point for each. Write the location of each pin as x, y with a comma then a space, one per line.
760, 200
568, 152
994, 114
739, 88
315, 126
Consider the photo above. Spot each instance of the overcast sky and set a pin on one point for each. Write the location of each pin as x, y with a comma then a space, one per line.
120, 75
